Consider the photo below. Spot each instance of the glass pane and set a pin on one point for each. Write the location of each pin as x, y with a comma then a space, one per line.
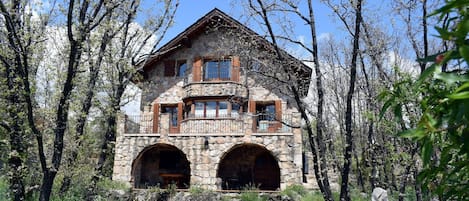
235, 110
223, 109
182, 69
270, 111
211, 70
211, 108
174, 116
199, 109
225, 69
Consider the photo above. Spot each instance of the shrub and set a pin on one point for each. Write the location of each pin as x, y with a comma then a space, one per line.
4, 189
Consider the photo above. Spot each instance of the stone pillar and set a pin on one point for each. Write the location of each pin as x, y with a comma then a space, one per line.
164, 125
297, 141
121, 118
248, 118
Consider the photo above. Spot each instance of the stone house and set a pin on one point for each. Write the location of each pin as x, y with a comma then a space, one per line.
214, 113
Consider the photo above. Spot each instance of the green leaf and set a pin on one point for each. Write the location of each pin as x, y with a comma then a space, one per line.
427, 151
427, 72
444, 34
463, 87
460, 95
464, 52
385, 107
451, 77
412, 134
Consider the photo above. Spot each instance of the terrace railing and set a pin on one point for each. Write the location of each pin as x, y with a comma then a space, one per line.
234, 123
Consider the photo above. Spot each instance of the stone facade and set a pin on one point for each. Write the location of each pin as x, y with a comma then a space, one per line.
204, 142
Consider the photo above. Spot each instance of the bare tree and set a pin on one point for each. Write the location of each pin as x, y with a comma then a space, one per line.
317, 144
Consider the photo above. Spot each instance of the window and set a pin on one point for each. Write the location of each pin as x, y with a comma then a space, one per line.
217, 69
235, 109
173, 114
215, 108
266, 111
175, 68
269, 115
182, 68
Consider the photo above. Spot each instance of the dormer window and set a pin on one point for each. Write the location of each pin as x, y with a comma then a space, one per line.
219, 69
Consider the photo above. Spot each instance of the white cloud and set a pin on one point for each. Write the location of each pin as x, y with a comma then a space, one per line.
324, 37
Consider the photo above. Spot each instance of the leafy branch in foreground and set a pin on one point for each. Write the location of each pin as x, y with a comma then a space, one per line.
442, 128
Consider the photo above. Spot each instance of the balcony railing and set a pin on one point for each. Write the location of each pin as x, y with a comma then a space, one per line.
234, 123
267, 123
216, 125
138, 124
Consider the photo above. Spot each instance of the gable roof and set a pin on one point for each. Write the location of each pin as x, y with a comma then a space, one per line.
183, 40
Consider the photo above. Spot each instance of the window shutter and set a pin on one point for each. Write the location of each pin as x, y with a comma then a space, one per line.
197, 70
235, 68
252, 106
278, 113
169, 68
252, 110
180, 112
156, 114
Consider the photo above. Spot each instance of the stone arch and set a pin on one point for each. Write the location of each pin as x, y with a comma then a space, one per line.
160, 165
248, 165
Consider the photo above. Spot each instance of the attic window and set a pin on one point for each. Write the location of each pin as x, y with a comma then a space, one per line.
175, 68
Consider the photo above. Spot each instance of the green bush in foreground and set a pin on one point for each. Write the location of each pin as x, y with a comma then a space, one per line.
4, 189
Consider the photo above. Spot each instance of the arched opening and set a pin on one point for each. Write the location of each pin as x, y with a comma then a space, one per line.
249, 165
161, 165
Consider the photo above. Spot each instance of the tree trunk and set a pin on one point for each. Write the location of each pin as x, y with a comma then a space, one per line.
344, 191
15, 164
47, 183
404, 183
320, 108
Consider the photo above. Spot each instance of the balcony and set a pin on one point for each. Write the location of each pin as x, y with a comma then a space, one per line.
238, 125
214, 88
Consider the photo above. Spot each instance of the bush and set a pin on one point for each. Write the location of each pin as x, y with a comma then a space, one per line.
4, 189
294, 192
251, 196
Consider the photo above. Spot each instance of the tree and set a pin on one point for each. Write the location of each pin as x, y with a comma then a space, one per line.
130, 45
344, 191
21, 35
316, 144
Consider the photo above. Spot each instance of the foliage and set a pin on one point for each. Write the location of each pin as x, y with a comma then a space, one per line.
197, 190
108, 184
250, 193
4, 189
443, 97
252, 196
294, 191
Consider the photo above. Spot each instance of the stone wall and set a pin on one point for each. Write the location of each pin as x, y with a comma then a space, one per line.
204, 160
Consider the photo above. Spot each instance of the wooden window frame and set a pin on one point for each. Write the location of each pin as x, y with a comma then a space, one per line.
277, 122
219, 67
179, 106
198, 69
